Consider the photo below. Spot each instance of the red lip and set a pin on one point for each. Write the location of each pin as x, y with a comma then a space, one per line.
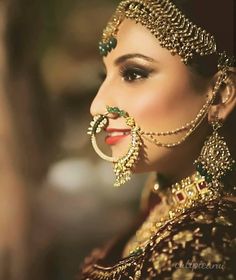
117, 129
112, 140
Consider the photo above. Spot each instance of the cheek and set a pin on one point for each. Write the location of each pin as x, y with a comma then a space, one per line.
164, 103
160, 106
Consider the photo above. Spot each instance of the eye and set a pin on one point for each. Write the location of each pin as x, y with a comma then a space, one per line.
134, 73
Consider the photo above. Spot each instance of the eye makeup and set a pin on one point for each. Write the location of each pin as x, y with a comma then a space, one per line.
133, 72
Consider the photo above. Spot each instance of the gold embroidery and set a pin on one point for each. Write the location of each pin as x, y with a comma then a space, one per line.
211, 255
150, 264
203, 219
183, 274
182, 237
222, 220
189, 192
159, 261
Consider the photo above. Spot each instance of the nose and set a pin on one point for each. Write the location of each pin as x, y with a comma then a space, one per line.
102, 99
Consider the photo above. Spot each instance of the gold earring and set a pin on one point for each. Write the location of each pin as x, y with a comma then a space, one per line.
123, 166
215, 161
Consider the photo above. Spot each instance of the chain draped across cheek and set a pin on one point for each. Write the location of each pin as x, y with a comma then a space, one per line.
125, 165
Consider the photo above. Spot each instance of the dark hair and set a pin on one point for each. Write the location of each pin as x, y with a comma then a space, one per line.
217, 18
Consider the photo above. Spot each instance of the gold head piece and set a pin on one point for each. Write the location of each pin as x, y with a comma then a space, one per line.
166, 22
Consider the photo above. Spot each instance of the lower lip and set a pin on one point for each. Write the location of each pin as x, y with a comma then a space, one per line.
112, 140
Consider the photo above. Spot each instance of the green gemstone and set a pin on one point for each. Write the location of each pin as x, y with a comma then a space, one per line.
103, 49
136, 252
113, 42
116, 110
204, 173
123, 113
110, 109
199, 167
104, 52
201, 170
108, 47
208, 178
113, 110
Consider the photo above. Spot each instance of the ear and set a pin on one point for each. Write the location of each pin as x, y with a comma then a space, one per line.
225, 101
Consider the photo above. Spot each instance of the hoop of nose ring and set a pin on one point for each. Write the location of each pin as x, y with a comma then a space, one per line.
122, 166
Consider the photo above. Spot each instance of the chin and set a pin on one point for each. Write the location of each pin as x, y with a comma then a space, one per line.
120, 149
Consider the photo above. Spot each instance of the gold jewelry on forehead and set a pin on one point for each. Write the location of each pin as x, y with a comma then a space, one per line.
166, 22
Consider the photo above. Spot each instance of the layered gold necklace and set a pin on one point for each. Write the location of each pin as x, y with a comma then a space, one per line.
189, 192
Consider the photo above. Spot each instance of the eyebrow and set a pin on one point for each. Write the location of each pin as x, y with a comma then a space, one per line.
125, 57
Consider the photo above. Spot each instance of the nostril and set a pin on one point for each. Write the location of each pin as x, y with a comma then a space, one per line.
112, 115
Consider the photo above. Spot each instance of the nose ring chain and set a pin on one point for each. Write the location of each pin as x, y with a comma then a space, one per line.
124, 165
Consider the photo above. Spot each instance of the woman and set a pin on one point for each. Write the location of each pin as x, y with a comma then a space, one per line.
167, 105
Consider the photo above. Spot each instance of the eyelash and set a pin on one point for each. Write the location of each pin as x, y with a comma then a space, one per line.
132, 74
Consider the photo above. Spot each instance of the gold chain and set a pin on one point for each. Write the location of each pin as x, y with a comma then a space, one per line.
191, 126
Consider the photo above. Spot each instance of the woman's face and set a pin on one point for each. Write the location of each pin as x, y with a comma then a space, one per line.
155, 88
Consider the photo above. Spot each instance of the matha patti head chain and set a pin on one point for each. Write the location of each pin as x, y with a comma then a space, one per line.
179, 35
166, 22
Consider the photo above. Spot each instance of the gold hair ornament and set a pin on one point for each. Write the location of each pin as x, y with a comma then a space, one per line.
166, 22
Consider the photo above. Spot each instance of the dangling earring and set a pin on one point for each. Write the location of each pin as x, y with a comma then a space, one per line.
215, 161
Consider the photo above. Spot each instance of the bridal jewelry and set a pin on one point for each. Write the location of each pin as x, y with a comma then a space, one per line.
162, 18
189, 127
123, 165
189, 192
215, 160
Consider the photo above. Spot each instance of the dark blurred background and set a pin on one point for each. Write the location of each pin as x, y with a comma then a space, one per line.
56, 196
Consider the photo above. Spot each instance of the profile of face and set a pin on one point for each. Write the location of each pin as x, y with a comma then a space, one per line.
159, 91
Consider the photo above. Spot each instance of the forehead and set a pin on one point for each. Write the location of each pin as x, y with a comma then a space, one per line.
134, 38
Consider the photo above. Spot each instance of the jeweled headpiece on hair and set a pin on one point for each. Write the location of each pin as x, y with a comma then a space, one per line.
166, 22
